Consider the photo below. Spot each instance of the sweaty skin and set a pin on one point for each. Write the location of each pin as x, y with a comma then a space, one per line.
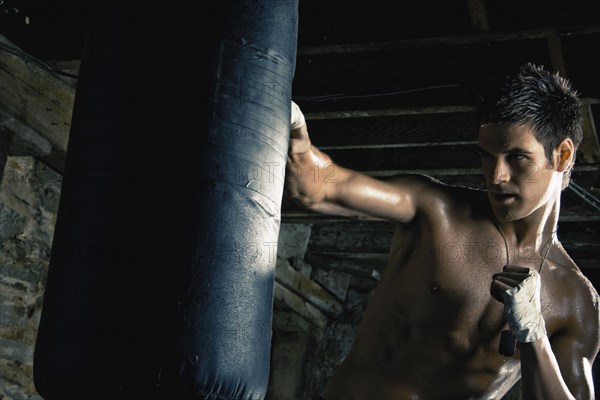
432, 328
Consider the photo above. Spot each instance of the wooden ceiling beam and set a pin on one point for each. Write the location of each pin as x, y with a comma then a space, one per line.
350, 48
391, 112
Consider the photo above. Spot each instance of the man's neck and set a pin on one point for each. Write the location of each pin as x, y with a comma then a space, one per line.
536, 229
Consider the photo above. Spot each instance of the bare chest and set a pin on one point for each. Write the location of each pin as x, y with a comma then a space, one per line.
439, 292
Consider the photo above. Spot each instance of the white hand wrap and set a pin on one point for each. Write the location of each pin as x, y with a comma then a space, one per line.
297, 117
522, 309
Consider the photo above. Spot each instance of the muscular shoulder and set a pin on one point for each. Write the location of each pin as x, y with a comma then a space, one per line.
567, 277
434, 197
580, 308
584, 297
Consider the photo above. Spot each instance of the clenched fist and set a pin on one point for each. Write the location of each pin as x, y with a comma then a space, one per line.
299, 141
297, 117
519, 289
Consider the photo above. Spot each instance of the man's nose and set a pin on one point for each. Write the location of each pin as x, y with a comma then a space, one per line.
499, 172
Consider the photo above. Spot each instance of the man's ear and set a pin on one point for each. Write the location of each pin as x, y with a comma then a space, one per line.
563, 155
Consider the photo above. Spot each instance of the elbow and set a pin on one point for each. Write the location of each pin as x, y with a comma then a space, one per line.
308, 202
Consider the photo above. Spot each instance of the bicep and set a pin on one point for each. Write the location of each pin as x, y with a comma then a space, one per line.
575, 349
575, 366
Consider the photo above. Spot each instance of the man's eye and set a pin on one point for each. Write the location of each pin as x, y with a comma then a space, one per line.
516, 157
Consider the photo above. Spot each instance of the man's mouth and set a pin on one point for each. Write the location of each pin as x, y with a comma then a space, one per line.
502, 197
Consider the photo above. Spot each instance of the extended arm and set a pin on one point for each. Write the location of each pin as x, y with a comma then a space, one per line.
319, 184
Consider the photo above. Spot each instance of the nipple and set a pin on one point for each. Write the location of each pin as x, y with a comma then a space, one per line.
434, 288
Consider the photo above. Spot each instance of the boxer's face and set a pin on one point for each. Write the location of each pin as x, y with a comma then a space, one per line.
519, 178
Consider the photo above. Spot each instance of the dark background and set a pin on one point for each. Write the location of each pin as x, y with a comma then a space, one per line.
394, 86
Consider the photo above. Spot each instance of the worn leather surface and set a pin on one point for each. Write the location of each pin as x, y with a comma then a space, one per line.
160, 282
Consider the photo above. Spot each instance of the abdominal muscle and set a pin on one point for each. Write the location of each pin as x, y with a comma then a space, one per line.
421, 369
428, 336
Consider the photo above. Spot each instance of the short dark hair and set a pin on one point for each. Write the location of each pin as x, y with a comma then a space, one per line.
546, 101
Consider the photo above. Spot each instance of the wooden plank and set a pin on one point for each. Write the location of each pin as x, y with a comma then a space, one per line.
336, 283
582, 69
345, 114
411, 78
70, 67
381, 159
55, 160
425, 111
478, 14
36, 97
392, 131
589, 149
286, 320
414, 77
557, 60
351, 21
449, 40
304, 287
352, 237
293, 301
420, 127
569, 213
25, 141
361, 266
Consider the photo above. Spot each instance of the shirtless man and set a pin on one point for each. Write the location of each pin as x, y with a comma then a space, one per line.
433, 326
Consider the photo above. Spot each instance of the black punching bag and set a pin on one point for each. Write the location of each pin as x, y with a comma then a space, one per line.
160, 283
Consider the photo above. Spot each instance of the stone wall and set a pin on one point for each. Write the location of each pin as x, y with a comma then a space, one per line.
317, 310
29, 195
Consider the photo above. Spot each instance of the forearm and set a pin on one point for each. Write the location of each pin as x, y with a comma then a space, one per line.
541, 376
519, 288
317, 183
